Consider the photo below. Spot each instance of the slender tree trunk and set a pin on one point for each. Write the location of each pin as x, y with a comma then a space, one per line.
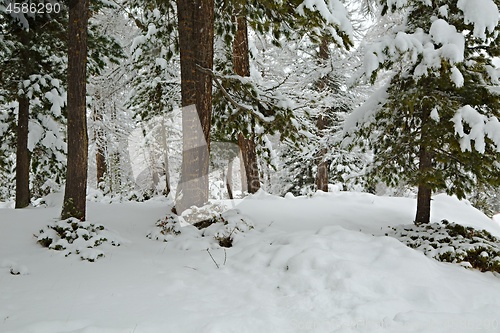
100, 160
196, 34
100, 156
166, 166
323, 164
74, 204
321, 124
241, 64
229, 179
23, 155
425, 168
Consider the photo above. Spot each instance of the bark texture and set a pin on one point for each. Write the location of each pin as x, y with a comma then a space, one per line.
322, 164
196, 34
100, 156
23, 155
76, 177
425, 168
241, 64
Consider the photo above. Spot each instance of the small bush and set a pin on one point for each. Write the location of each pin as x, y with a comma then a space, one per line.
166, 228
222, 227
74, 236
454, 243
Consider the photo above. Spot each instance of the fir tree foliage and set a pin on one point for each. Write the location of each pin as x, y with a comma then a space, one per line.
261, 105
440, 99
33, 63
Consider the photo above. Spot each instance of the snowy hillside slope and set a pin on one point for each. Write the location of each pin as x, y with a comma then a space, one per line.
318, 264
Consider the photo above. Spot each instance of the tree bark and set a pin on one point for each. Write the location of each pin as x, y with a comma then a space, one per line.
100, 156
249, 157
196, 34
74, 204
424, 168
22, 155
241, 65
100, 159
321, 124
166, 166
323, 164
229, 179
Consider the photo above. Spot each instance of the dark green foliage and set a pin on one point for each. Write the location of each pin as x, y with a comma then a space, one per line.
453, 243
422, 110
73, 236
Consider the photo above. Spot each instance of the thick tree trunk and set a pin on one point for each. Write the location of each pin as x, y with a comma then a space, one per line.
76, 176
241, 64
22, 155
424, 168
322, 164
196, 34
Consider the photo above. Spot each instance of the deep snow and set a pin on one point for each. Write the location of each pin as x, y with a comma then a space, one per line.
317, 264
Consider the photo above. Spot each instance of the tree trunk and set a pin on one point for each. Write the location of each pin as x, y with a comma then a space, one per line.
100, 156
166, 166
100, 160
23, 155
249, 156
76, 176
321, 124
229, 179
424, 168
424, 192
241, 64
323, 164
196, 34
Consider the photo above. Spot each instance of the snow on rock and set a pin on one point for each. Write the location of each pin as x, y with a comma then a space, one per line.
483, 14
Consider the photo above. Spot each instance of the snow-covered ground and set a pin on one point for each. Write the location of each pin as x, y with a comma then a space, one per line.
317, 264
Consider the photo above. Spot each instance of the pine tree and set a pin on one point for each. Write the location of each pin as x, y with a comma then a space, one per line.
32, 68
252, 107
74, 204
196, 35
435, 123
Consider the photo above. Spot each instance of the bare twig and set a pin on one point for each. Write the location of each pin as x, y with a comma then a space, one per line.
215, 262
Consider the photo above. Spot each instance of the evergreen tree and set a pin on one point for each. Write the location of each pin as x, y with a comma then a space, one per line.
32, 66
436, 124
74, 204
196, 45
254, 105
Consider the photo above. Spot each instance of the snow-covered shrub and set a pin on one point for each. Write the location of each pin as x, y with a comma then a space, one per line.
74, 236
166, 228
222, 227
454, 243
197, 214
